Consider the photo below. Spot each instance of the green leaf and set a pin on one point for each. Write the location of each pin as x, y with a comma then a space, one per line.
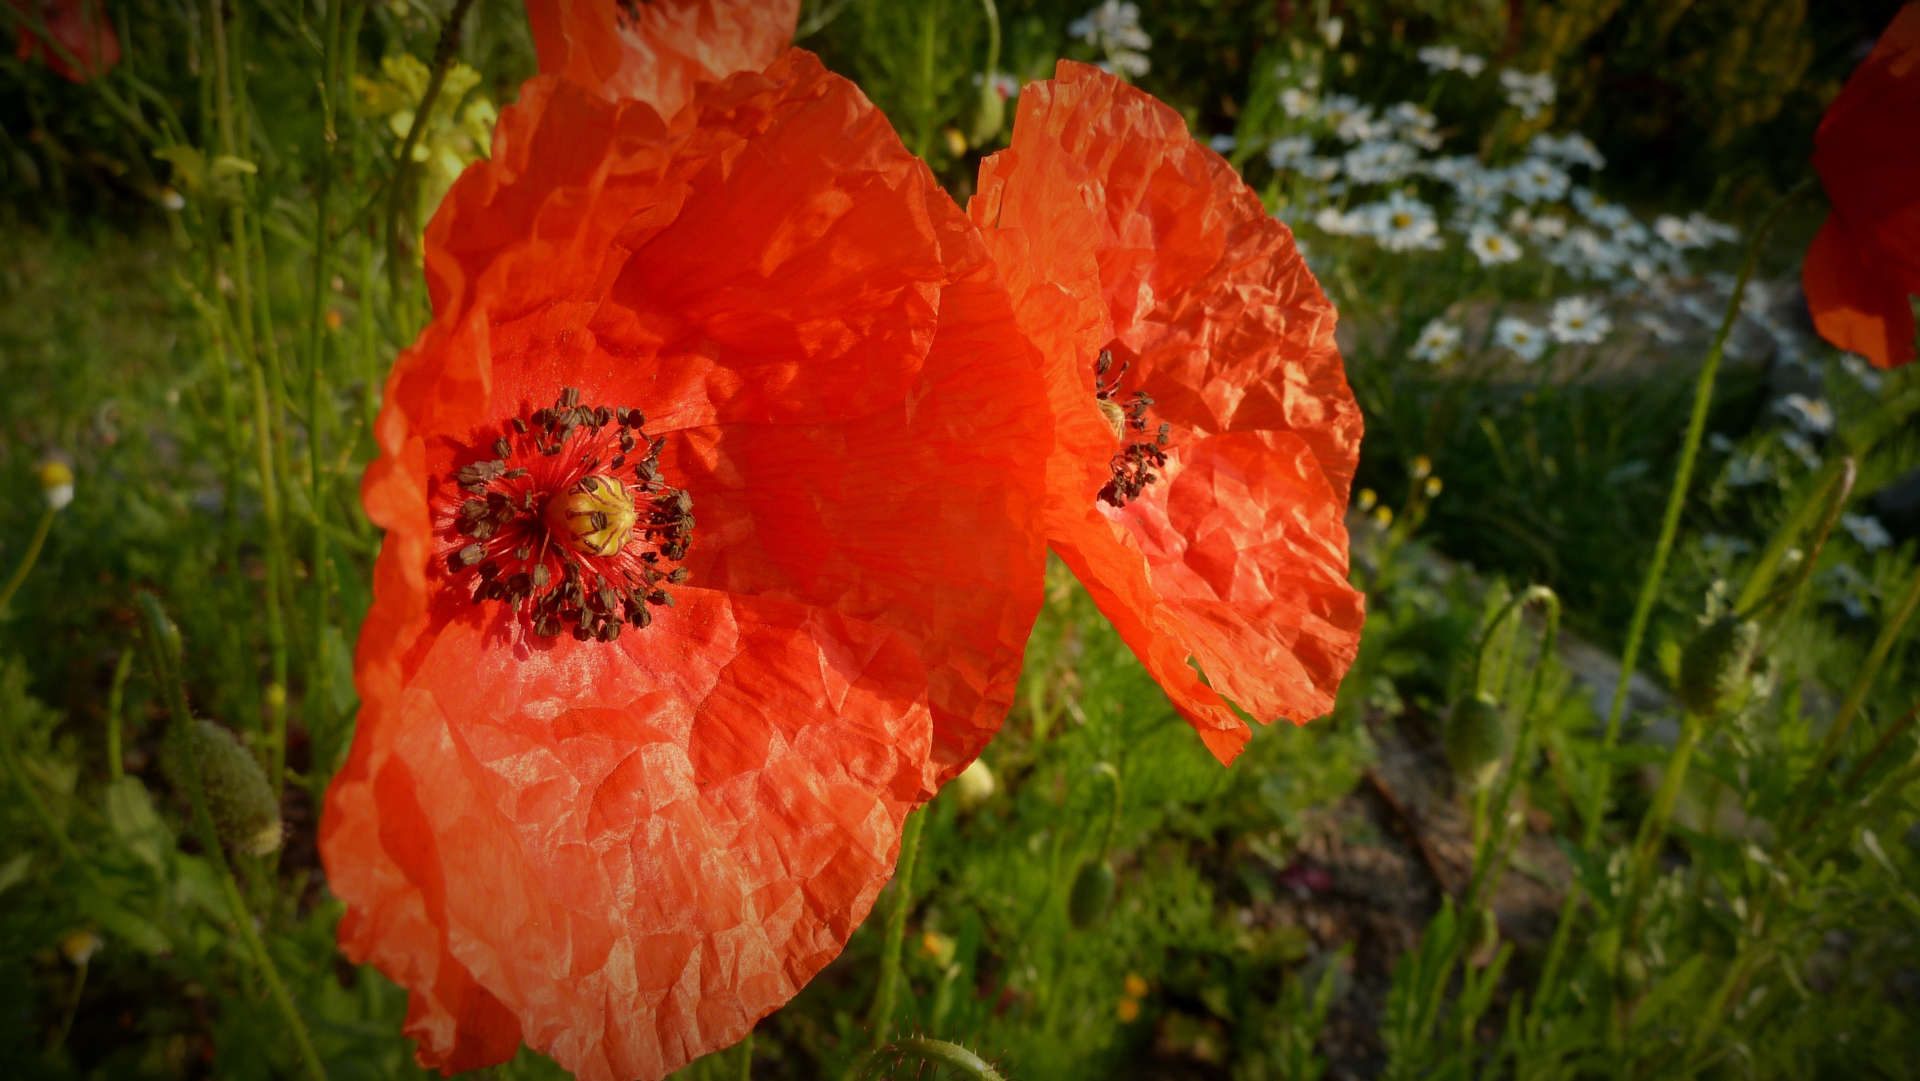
14, 871
131, 815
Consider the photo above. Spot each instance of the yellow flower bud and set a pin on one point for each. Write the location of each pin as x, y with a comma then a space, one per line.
1128, 1010
1136, 985
1432, 487
56, 482
1422, 467
1365, 500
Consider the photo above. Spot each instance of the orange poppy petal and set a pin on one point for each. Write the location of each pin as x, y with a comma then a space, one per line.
838, 382
657, 51
1104, 201
636, 851
1854, 307
1865, 262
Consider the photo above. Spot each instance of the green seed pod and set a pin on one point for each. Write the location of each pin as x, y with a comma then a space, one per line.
238, 797
1092, 893
1476, 738
989, 115
1714, 666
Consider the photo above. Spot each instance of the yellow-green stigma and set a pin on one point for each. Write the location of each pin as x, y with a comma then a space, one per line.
594, 515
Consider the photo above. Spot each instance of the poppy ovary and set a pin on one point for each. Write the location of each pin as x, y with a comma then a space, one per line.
549, 525
1133, 466
594, 515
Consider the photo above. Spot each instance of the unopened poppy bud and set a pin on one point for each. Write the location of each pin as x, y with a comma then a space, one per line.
1714, 666
1476, 739
1092, 893
238, 797
974, 786
56, 483
594, 515
989, 114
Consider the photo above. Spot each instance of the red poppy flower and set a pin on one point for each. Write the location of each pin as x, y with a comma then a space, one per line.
657, 51
80, 29
1205, 435
712, 497
1865, 261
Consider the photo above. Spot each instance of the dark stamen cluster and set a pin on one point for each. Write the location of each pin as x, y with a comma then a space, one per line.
1133, 467
564, 582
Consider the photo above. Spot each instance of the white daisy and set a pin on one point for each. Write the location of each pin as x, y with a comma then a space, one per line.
1438, 340
1526, 341
1811, 415
1491, 246
1403, 223
1678, 232
1284, 153
1222, 144
1578, 320
1867, 531
1527, 92
1297, 102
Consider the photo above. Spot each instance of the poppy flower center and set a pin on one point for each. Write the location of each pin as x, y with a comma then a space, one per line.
570, 522
1133, 467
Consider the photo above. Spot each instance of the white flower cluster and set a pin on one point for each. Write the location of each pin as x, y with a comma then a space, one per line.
1440, 58
1527, 92
1114, 29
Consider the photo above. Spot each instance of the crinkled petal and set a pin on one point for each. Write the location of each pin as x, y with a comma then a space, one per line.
1115, 229
636, 850
632, 851
657, 51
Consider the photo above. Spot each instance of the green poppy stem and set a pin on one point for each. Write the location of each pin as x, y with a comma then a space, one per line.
881, 1019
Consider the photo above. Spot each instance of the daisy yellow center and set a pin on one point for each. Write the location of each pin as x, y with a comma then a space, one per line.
1402, 219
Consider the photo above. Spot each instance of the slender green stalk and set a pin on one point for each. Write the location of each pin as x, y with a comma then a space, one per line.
1106, 770
1670, 520
39, 541
320, 591
1880, 748
116, 703
398, 191
881, 1019
1487, 861
992, 12
1863, 681
745, 1051
265, 415
163, 663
